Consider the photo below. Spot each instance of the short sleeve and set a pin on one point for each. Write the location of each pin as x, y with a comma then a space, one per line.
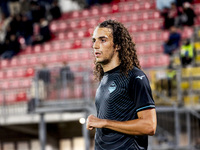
141, 92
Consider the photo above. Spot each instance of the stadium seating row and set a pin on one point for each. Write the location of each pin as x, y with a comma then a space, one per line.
110, 9
62, 25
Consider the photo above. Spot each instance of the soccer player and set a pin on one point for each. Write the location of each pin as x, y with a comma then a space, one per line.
125, 107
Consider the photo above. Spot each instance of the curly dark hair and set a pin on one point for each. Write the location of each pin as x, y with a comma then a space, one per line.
127, 52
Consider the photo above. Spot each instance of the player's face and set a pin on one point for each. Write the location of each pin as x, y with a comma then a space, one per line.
103, 46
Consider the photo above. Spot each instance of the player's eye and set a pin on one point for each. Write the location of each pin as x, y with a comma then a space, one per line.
103, 40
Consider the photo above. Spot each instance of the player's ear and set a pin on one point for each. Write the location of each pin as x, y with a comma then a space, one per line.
117, 47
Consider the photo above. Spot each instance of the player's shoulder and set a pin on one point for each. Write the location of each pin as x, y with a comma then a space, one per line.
135, 72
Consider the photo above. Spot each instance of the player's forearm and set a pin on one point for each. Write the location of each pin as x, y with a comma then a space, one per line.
133, 127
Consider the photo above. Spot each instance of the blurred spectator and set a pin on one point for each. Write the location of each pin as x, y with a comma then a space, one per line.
55, 10
89, 3
171, 79
187, 53
44, 79
44, 32
4, 7
173, 41
170, 15
4, 23
162, 4
190, 14
179, 3
12, 47
66, 75
15, 24
26, 29
37, 11
14, 7
25, 8
44, 74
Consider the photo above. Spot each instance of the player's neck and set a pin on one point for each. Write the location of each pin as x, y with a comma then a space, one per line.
111, 65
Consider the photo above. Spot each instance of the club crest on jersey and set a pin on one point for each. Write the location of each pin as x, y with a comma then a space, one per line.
112, 87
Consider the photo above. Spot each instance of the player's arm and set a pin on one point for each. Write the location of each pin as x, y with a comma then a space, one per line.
144, 125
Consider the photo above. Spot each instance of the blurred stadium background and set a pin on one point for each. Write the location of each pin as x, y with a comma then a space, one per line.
49, 114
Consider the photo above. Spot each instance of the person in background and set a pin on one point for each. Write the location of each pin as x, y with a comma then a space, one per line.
26, 29
190, 14
44, 32
55, 10
44, 79
66, 77
14, 7
187, 53
173, 41
12, 47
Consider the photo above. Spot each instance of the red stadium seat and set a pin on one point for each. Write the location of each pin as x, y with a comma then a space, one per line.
85, 13
61, 36
33, 60
2, 75
54, 58
89, 32
81, 34
10, 97
87, 43
14, 84
145, 16
54, 27
23, 61
163, 60
124, 18
156, 15
126, 7
14, 62
140, 49
10, 73
70, 35
30, 72
73, 24
105, 9
47, 47
1, 99
56, 46
147, 5
63, 26
83, 23
67, 45
21, 72
75, 14
115, 8
78, 91
77, 44
73, 56
197, 9
136, 7
37, 48
4, 63
43, 58
95, 11
24, 83
5, 85
151, 61
134, 17
21, 97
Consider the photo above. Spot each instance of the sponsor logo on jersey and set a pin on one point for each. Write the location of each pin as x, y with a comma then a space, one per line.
140, 77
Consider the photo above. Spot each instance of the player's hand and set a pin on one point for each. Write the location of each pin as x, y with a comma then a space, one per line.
94, 122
